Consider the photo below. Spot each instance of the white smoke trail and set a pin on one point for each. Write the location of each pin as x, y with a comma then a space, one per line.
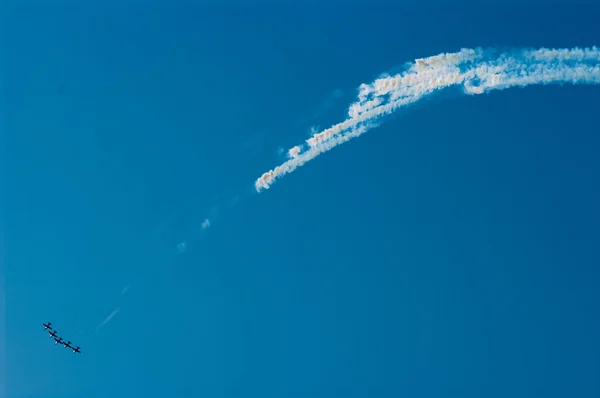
477, 70
107, 319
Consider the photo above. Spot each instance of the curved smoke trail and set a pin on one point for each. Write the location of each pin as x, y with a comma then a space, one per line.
477, 70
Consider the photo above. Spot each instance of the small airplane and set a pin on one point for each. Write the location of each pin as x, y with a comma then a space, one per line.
67, 344
48, 326
76, 350
52, 333
58, 340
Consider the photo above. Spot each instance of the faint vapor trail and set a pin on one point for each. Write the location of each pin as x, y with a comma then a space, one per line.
108, 318
476, 70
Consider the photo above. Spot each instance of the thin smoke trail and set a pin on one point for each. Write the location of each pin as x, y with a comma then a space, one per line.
108, 318
476, 70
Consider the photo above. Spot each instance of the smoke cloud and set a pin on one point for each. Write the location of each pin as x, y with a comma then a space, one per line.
477, 71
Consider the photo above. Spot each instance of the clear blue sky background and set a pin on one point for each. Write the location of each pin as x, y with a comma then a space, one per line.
452, 252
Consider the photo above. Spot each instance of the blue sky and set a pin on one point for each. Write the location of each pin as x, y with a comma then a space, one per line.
450, 252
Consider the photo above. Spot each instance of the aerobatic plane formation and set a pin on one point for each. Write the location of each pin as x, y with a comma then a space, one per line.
59, 340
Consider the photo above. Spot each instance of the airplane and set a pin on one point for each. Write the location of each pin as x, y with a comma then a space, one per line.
52, 333
58, 340
76, 350
67, 344
47, 326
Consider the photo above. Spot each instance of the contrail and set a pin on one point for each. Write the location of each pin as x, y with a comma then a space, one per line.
107, 319
477, 70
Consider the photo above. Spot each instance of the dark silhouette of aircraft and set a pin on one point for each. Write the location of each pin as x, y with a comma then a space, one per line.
59, 340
